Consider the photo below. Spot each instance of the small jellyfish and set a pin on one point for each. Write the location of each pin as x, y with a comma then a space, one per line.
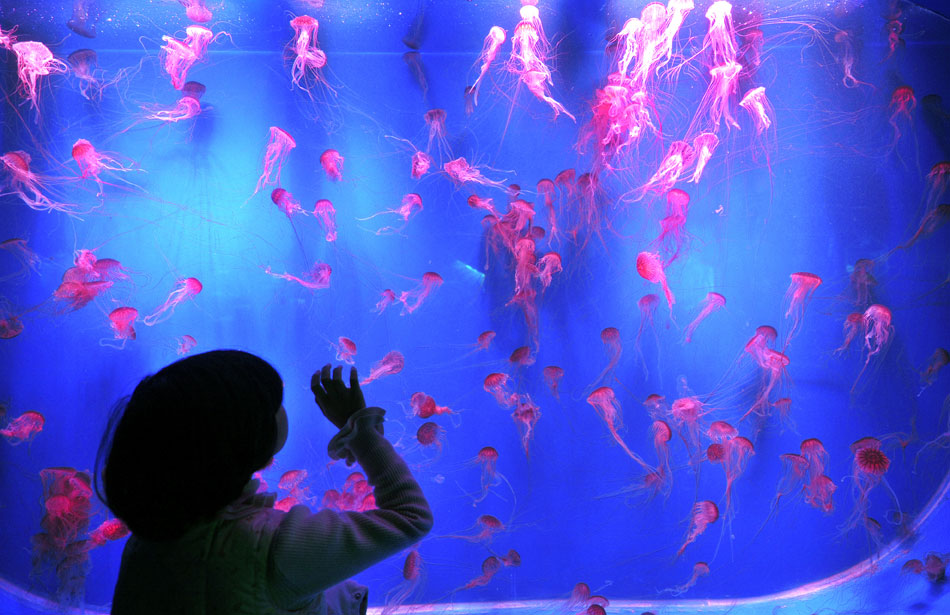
756, 103
332, 163
413, 574
797, 297
712, 302
187, 107
410, 206
605, 402
677, 159
686, 413
345, 350
700, 569
552, 378
862, 280
435, 120
853, 325
122, 320
461, 172
186, 288
521, 356
484, 340
733, 454
704, 145
286, 202
317, 278
421, 162
794, 477
392, 363
278, 147
27, 185
412, 299
493, 42
23, 428
424, 406
877, 335
647, 306
868, 469
610, 336
386, 298
413, 60
843, 38
177, 58
932, 220
650, 268
35, 60
672, 228
487, 459
309, 59
497, 385
526, 415
938, 360
490, 567
325, 213
431, 435
185, 344
83, 20
92, 162
902, 105
84, 64
7, 38
107, 531
196, 10
704, 513
28, 259
548, 265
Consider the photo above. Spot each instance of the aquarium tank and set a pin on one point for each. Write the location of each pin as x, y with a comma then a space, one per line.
655, 295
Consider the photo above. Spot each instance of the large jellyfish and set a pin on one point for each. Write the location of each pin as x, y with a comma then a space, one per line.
177, 57
35, 60
529, 53
712, 302
185, 289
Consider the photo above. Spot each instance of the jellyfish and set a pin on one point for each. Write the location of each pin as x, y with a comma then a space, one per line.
773, 364
187, 107
278, 147
489, 526
23, 428
411, 205
107, 531
677, 159
461, 172
345, 350
704, 512
309, 59
686, 413
931, 221
198, 38
797, 297
662, 434
712, 302
325, 213
431, 435
10, 324
35, 60
716, 104
424, 406
490, 567
386, 298
27, 185
92, 162
286, 202
862, 280
391, 364
493, 42
902, 105
938, 360
28, 259
853, 325
794, 477
487, 459
497, 385
186, 288
647, 306
484, 340
877, 335
704, 145
412, 299
756, 103
552, 378
7, 38
672, 235
843, 38
868, 469
521, 356
84, 64
413, 60
332, 163
413, 574
700, 569
67, 507
292, 481
610, 336
650, 268
121, 320
733, 454
196, 10
604, 401
177, 58
938, 178
185, 344
525, 415
317, 278
435, 120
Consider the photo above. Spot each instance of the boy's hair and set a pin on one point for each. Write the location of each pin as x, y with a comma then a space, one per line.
188, 439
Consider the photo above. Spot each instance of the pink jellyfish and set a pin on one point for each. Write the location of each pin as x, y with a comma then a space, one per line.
84, 64
186, 289
107, 531
686, 413
392, 363
187, 107
23, 428
862, 280
345, 350
703, 147
521, 356
662, 434
413, 573
526, 415
185, 344
797, 297
903, 103
412, 299
656, 407
317, 278
484, 340
28, 259
10, 324
411, 205
712, 302
332, 163
610, 336
720, 38
794, 477
121, 320
673, 235
490, 568
177, 57
286, 202
677, 159
605, 403
529, 53
552, 378
493, 42
435, 120
275, 154
938, 360
650, 268
35, 60
421, 162
461, 172
325, 213
27, 185
309, 59
938, 179
704, 513
386, 298
548, 265
489, 524
877, 335
7, 38
497, 385
733, 454
931, 221
424, 406
700, 569
431, 435
853, 325
870, 464
756, 103
196, 10
647, 306
92, 162
843, 38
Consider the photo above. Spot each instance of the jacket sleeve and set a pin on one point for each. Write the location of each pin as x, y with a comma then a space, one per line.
313, 551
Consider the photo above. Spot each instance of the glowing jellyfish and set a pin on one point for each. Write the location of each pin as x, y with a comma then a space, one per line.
345, 350
413, 574
733, 454
278, 147
461, 172
412, 299
177, 57
185, 344
187, 107
700, 569
309, 59
286, 202
28, 259
797, 297
521, 356
704, 512
487, 458
421, 162
687, 413
552, 378
122, 320
647, 306
938, 360
525, 415
93, 163
674, 163
35, 60
529, 54
196, 10
843, 38
662, 434
386, 298
7, 38
794, 476
391, 364
27, 185
435, 120
424, 406
610, 336
650, 268
493, 42
490, 568
672, 233
317, 278
877, 335
931, 221
410, 206
773, 364
486, 528
902, 105
431, 435
23, 428
292, 481
484, 340
325, 213
704, 145
497, 385
868, 469
853, 325
108, 531
84, 64
185, 289
81, 285
332, 163
757, 104
938, 179
605, 402
712, 302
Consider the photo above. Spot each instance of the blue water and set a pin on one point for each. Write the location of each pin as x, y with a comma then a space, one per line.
828, 186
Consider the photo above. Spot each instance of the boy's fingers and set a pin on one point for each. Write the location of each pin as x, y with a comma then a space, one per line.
354, 379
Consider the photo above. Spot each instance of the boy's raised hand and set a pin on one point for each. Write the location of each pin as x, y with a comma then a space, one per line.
332, 395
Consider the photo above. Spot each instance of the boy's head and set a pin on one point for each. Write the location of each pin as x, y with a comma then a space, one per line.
188, 439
